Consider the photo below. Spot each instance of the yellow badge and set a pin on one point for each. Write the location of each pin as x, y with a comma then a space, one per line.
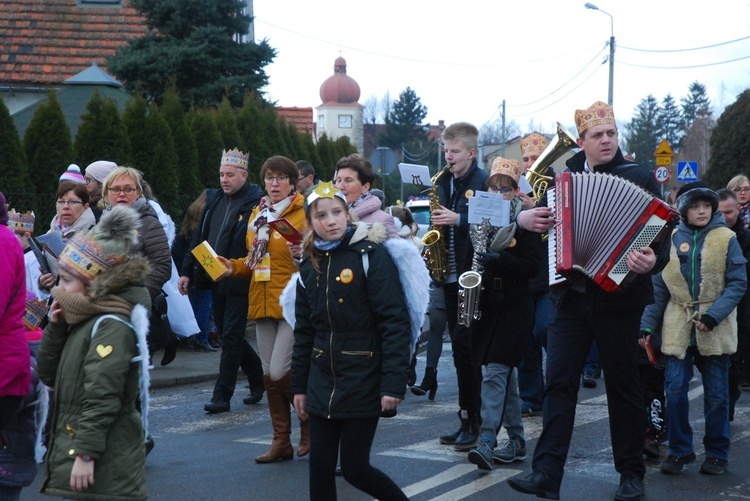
512, 243
104, 351
469, 193
684, 247
346, 276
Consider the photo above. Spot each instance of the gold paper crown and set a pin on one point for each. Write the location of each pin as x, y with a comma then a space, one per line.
84, 257
21, 223
505, 166
235, 158
324, 190
596, 114
36, 310
533, 142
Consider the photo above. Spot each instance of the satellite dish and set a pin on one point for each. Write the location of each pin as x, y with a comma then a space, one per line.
383, 160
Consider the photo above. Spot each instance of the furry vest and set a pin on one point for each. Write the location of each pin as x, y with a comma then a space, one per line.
678, 313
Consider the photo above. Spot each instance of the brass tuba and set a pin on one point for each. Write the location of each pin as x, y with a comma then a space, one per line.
433, 240
558, 146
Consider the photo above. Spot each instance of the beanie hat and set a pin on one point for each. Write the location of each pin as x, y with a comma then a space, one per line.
106, 245
100, 169
689, 197
3, 211
690, 186
73, 173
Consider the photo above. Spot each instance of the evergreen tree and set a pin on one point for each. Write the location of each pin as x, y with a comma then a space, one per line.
312, 156
209, 148
134, 118
730, 143
643, 134
192, 42
670, 120
102, 135
272, 126
15, 178
344, 147
403, 124
252, 134
160, 170
185, 148
47, 144
695, 105
328, 158
226, 122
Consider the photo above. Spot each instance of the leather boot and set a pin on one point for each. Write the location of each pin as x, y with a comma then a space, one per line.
284, 385
429, 384
281, 420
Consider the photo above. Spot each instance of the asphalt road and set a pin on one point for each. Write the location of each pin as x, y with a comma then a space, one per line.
199, 456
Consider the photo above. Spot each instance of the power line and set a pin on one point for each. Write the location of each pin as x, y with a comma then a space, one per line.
563, 96
684, 50
683, 67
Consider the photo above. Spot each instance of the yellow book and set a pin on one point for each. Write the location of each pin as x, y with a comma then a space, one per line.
207, 258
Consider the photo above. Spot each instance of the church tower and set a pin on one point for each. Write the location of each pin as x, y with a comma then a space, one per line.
340, 114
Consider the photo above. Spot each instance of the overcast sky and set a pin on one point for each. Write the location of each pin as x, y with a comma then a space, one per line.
544, 58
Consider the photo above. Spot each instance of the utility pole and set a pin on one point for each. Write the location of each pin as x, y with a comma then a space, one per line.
505, 132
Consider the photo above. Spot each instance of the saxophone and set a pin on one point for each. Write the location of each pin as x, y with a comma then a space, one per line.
470, 282
433, 240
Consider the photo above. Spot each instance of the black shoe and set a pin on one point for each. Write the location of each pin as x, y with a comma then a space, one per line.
588, 380
429, 384
216, 406
536, 483
673, 464
411, 375
170, 351
450, 438
253, 398
630, 489
203, 346
149, 444
714, 466
469, 435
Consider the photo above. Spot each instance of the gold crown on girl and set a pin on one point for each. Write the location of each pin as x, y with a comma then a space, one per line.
505, 166
36, 310
324, 190
596, 114
21, 223
84, 257
235, 158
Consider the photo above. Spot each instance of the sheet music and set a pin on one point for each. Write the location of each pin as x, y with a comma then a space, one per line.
491, 206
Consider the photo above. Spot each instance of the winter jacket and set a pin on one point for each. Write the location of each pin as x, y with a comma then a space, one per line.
154, 246
472, 181
368, 210
14, 351
639, 292
96, 383
352, 331
231, 238
264, 296
503, 332
705, 274
743, 308
83, 223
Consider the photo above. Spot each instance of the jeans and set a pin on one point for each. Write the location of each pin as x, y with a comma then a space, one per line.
200, 300
715, 374
531, 369
500, 401
592, 361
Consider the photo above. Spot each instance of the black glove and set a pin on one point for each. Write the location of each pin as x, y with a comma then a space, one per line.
488, 260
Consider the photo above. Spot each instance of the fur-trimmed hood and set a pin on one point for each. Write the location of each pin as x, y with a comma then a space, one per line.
374, 232
130, 273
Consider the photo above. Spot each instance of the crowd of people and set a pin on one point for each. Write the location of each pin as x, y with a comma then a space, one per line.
337, 289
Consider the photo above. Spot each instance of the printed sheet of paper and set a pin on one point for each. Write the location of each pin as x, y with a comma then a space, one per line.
416, 175
206, 256
525, 186
489, 205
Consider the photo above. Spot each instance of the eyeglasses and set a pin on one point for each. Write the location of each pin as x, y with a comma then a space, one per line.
280, 179
504, 190
744, 189
88, 180
127, 190
71, 203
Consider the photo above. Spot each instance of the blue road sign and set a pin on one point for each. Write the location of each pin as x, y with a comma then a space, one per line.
687, 171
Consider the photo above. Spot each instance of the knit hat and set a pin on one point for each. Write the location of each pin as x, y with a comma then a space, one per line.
689, 197
100, 169
106, 245
505, 166
533, 142
21, 223
596, 114
3, 211
72, 174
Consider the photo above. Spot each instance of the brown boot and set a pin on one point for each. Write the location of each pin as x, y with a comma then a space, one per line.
281, 420
284, 385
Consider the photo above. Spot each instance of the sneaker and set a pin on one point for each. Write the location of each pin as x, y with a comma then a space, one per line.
673, 464
481, 455
651, 445
714, 466
588, 380
514, 449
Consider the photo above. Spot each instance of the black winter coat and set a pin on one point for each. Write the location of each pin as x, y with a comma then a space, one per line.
352, 332
231, 240
640, 291
503, 332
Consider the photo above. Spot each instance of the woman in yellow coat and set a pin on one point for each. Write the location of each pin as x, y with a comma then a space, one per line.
269, 265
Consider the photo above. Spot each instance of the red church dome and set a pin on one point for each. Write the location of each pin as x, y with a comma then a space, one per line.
339, 87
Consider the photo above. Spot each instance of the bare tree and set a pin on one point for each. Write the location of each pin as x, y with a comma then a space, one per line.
386, 103
492, 132
370, 113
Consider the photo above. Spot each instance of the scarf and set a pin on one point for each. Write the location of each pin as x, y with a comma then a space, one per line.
268, 212
77, 307
327, 245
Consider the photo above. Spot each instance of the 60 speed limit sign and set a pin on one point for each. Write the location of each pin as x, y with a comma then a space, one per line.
661, 174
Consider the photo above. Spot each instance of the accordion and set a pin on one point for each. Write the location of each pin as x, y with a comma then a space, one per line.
599, 220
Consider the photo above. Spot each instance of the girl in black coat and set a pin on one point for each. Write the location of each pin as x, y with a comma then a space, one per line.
352, 341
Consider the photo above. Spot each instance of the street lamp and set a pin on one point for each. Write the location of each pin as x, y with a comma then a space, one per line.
591, 6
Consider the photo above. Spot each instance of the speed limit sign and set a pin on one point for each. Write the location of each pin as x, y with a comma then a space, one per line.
661, 174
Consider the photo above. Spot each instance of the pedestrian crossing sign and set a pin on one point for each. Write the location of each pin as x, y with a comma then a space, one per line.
687, 171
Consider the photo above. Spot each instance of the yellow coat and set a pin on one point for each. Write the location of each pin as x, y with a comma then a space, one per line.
264, 296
